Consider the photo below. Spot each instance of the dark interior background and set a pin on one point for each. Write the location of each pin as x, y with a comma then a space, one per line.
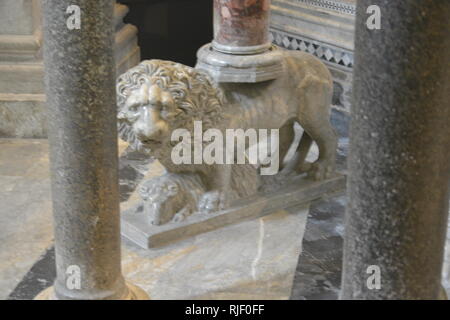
171, 29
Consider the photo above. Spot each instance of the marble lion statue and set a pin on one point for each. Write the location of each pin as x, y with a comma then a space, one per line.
171, 197
157, 97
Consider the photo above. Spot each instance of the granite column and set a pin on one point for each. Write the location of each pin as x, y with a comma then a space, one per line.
80, 88
399, 163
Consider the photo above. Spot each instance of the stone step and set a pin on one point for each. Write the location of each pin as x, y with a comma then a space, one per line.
22, 78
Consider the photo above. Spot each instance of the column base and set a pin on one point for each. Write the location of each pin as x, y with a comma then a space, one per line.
133, 293
243, 50
240, 68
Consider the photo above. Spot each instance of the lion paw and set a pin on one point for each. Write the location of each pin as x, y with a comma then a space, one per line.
320, 170
213, 201
182, 214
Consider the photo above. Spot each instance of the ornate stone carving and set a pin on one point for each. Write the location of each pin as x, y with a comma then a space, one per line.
157, 97
331, 54
346, 7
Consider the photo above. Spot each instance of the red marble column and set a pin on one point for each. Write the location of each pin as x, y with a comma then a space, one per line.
241, 26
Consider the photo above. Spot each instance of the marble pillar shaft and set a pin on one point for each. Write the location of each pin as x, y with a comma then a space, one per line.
80, 88
399, 165
241, 23
241, 51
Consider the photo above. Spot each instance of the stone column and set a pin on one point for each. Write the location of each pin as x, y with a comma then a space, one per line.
80, 88
399, 166
241, 26
241, 51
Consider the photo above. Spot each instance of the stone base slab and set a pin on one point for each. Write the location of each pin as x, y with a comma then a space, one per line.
136, 227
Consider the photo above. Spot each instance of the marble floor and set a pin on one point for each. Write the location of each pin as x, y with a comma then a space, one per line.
25, 209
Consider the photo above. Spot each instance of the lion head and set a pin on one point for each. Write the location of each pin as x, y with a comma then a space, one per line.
157, 96
161, 199
165, 196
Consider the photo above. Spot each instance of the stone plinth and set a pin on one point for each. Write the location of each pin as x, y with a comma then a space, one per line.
137, 228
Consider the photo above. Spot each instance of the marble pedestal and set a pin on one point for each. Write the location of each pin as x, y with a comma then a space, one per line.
137, 228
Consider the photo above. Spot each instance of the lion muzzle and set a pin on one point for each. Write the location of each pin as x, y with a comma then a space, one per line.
150, 125
155, 210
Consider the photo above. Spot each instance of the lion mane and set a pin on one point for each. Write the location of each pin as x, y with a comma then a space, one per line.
196, 96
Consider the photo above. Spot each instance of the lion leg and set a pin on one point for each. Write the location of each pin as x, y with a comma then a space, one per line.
302, 152
314, 117
218, 196
286, 138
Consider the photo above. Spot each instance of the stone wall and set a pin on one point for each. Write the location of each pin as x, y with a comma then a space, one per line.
22, 98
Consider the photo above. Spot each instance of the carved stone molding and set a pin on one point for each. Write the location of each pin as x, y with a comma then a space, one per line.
22, 98
332, 55
346, 7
